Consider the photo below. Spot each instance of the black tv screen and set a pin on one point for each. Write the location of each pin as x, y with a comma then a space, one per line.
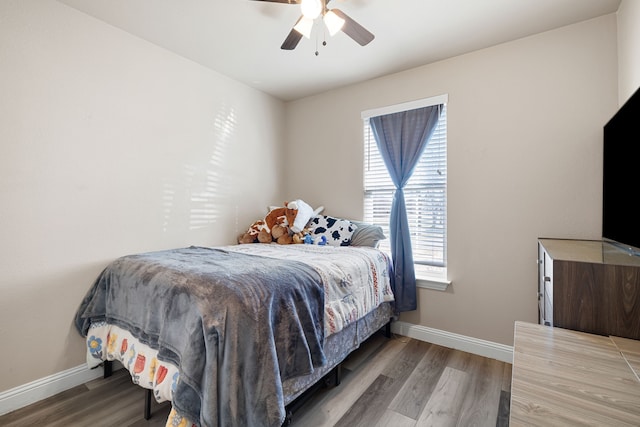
621, 173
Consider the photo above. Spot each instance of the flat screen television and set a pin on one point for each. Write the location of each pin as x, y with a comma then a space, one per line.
621, 170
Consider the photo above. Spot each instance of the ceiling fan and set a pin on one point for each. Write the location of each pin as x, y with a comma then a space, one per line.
334, 19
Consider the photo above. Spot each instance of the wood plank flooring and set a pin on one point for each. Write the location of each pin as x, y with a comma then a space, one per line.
397, 382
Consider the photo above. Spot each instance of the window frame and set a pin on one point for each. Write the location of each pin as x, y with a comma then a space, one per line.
437, 280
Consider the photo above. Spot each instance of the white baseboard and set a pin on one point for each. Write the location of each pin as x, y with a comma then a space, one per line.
477, 346
34, 391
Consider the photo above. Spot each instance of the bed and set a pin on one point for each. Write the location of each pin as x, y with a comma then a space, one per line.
233, 335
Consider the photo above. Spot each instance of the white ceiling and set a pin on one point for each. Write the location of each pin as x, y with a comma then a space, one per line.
241, 38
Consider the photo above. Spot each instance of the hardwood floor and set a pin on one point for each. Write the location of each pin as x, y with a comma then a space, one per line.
397, 382
402, 382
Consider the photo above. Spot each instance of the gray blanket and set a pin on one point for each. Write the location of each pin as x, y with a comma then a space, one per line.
236, 326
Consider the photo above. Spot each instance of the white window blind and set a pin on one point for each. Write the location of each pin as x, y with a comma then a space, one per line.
425, 198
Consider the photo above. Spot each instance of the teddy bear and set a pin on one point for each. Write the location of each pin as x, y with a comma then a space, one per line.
278, 220
273, 228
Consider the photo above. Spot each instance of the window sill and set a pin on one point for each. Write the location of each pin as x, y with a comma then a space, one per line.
432, 283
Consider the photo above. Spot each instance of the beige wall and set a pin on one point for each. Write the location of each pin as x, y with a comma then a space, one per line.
628, 49
525, 139
110, 145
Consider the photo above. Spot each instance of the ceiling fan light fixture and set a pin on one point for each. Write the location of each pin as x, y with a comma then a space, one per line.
333, 22
311, 8
304, 26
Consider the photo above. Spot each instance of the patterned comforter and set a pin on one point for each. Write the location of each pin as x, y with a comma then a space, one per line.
355, 279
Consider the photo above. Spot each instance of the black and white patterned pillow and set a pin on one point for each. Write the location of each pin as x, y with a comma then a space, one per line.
337, 231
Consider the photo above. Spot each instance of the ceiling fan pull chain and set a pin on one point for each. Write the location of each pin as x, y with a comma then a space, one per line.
324, 35
324, 40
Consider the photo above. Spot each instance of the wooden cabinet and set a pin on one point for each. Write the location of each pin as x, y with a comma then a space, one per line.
589, 286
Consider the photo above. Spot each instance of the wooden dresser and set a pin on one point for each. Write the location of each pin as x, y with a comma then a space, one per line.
564, 378
589, 286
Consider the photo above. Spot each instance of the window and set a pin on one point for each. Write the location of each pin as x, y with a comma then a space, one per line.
425, 196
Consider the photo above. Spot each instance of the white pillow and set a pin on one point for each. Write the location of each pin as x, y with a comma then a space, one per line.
338, 232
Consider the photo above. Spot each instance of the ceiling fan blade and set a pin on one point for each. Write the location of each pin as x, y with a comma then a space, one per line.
282, 1
288, 1
357, 32
293, 38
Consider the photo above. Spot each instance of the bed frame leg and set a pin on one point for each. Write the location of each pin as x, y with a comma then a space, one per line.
147, 404
108, 368
387, 329
288, 419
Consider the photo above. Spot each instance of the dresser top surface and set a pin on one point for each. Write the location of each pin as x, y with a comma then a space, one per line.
592, 251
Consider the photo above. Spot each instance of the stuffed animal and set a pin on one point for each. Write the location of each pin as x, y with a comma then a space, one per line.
278, 216
281, 235
247, 238
285, 239
264, 236
301, 214
283, 225
301, 237
277, 221
255, 233
267, 230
